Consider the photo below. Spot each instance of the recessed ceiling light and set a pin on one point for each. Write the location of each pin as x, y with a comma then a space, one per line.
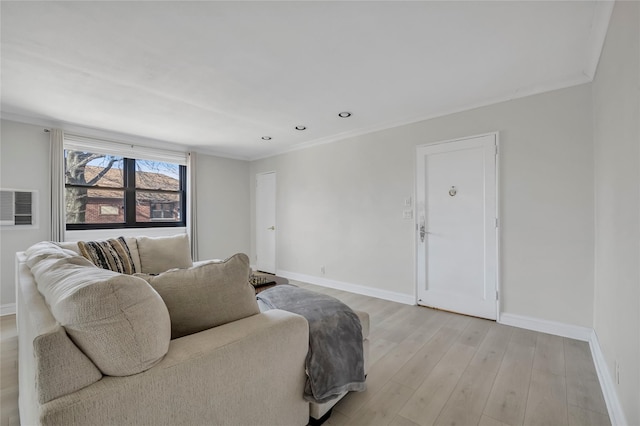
266, 138
301, 128
344, 114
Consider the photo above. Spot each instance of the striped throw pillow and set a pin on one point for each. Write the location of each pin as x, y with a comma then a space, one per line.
112, 254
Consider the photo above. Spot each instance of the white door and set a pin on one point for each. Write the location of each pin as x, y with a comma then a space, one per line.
457, 226
266, 222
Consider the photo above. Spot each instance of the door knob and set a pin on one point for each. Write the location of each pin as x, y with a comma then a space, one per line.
272, 228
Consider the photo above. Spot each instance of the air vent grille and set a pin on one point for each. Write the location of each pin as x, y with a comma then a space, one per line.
17, 207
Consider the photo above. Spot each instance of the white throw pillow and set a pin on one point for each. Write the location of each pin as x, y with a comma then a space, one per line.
159, 254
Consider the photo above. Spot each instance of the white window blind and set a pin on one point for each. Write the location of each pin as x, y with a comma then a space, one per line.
123, 149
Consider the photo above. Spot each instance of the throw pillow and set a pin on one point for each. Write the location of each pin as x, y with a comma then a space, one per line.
117, 320
160, 254
206, 295
112, 254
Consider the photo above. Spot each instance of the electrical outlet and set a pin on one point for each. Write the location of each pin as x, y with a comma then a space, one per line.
407, 214
322, 270
407, 202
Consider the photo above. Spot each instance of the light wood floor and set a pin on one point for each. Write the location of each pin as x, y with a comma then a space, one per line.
8, 371
431, 367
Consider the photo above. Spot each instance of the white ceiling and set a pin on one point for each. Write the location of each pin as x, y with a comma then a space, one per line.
217, 76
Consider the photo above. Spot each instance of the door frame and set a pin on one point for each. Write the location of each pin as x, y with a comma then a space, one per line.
416, 235
255, 221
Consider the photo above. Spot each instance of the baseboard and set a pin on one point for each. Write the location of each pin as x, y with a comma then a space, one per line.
392, 296
616, 413
8, 309
544, 326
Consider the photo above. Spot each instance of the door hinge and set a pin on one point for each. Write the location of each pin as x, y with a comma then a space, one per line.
497, 297
496, 149
496, 222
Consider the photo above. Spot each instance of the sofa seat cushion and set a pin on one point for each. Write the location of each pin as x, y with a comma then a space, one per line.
159, 254
206, 295
117, 320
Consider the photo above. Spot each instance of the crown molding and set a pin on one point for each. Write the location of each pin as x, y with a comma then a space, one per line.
572, 81
112, 136
597, 35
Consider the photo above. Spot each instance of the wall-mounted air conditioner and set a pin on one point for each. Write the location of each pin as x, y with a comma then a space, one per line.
18, 208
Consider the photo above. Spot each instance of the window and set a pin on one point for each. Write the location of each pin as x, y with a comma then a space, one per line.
163, 211
111, 191
107, 210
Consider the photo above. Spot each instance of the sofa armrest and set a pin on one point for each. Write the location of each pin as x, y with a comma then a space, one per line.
51, 365
249, 371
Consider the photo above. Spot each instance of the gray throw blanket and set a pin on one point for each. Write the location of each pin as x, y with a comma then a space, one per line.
335, 362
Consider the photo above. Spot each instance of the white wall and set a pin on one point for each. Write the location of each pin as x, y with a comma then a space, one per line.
24, 164
616, 100
340, 205
223, 200
223, 207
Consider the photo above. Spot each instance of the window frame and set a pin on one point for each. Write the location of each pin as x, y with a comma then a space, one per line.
129, 189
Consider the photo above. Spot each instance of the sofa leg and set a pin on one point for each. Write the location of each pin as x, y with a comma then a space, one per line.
318, 422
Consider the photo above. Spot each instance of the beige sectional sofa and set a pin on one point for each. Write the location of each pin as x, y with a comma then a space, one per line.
100, 347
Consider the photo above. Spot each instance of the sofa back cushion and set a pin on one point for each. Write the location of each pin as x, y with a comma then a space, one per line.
159, 254
206, 295
117, 320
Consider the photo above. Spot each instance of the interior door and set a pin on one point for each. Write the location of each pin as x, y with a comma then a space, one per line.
457, 226
266, 222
